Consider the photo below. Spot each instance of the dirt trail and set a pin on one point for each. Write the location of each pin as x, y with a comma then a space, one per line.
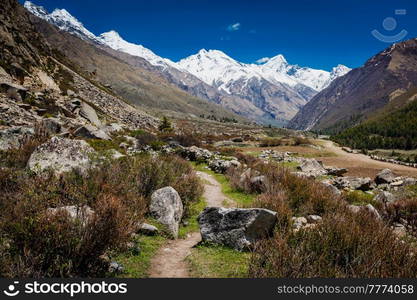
169, 261
360, 164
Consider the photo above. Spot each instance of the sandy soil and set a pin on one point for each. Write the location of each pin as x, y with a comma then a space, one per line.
169, 261
361, 165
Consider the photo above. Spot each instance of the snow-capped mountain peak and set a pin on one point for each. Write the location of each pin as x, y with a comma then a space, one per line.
38, 11
113, 40
214, 67
62, 19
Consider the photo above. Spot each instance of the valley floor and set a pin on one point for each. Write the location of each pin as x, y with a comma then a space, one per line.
360, 164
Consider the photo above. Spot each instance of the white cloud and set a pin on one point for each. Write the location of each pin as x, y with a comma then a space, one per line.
262, 60
233, 27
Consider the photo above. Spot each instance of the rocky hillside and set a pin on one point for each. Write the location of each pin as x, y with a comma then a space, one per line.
37, 87
363, 91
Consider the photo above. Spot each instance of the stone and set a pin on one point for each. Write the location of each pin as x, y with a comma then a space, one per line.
91, 132
147, 229
368, 208
372, 210
397, 183
113, 128
89, 113
237, 228
167, 208
12, 138
51, 125
335, 191
222, 165
353, 183
385, 176
314, 219
333, 171
385, 197
115, 268
298, 222
312, 167
410, 181
14, 91
354, 208
194, 153
61, 155
76, 213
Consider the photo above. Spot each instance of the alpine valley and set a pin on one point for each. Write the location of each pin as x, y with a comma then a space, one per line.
271, 92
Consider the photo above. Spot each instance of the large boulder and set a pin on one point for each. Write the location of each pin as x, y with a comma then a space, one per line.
312, 167
237, 228
13, 137
89, 113
61, 155
333, 171
385, 197
81, 214
353, 183
194, 153
385, 176
222, 165
166, 207
91, 132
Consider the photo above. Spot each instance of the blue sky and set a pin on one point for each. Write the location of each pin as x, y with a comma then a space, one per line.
318, 34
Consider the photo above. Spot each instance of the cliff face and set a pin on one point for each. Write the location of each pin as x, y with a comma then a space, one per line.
361, 92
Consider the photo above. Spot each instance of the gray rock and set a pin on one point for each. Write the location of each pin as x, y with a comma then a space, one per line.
385, 197
147, 229
237, 228
91, 132
385, 176
61, 155
312, 167
116, 268
221, 165
353, 183
368, 208
113, 128
14, 91
354, 208
333, 171
314, 219
13, 137
372, 210
335, 191
194, 153
410, 181
298, 222
76, 213
166, 207
51, 125
89, 113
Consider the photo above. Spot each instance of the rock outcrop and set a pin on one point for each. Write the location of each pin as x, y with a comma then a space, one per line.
61, 155
237, 228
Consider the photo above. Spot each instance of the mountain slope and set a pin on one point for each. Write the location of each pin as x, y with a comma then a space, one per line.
273, 98
395, 128
361, 92
45, 82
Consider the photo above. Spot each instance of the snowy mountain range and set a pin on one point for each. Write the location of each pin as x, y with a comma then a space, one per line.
271, 91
